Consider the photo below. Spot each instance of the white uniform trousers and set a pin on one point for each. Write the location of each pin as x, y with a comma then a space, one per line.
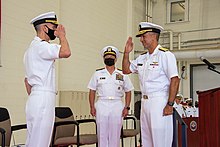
109, 122
40, 115
156, 129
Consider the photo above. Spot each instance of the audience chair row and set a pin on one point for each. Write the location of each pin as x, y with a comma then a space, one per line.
67, 130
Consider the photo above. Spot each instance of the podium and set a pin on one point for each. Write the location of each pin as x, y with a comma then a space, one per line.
209, 118
192, 132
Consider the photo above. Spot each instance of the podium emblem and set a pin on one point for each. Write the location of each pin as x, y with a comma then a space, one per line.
193, 126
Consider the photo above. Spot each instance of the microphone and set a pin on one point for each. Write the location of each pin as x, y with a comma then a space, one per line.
210, 65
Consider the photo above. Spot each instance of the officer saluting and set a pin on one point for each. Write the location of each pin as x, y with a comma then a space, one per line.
39, 61
158, 77
111, 85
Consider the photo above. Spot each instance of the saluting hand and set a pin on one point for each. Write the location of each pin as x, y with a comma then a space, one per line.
60, 31
129, 45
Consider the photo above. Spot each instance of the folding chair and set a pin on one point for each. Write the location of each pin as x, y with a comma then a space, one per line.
129, 132
2, 141
6, 128
64, 130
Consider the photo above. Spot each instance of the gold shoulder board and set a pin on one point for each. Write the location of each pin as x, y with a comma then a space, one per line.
100, 69
163, 49
143, 53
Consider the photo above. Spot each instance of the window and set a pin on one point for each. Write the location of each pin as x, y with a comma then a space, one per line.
202, 79
177, 11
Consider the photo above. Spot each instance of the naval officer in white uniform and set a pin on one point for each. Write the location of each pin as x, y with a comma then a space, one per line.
178, 106
39, 61
159, 81
190, 109
111, 85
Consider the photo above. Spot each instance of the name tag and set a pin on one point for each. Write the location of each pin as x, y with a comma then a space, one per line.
102, 78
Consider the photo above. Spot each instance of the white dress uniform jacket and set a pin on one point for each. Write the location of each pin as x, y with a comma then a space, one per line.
190, 112
40, 108
196, 111
155, 72
110, 90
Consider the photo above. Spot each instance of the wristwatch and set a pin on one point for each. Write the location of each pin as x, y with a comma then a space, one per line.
170, 103
127, 108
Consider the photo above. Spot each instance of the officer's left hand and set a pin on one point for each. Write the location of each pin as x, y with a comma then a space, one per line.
168, 110
93, 111
124, 112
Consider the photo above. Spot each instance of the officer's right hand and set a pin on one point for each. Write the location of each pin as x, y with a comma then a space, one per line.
60, 31
129, 45
93, 111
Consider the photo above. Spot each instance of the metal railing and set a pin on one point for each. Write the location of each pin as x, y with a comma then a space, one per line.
192, 39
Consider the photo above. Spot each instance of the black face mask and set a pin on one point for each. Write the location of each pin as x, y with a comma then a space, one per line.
190, 104
51, 33
196, 105
109, 61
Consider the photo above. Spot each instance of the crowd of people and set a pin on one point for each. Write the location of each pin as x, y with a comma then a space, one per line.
185, 107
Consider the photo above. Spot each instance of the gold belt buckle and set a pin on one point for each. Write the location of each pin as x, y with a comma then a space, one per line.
145, 97
110, 98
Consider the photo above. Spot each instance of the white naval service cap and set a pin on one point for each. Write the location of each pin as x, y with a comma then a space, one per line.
49, 17
189, 100
145, 27
110, 50
179, 96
